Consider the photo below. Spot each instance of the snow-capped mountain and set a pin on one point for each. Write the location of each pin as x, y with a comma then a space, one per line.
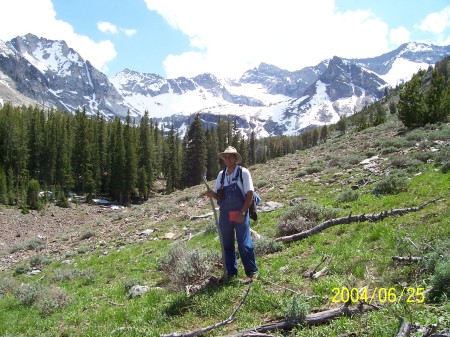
266, 99
54, 75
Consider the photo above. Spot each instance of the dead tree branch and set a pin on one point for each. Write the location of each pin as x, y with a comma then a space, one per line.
316, 274
405, 328
311, 319
214, 326
407, 258
352, 219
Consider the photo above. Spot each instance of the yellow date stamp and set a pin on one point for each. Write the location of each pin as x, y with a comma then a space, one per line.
380, 295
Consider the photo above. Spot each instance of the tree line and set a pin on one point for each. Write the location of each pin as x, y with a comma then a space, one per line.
52, 150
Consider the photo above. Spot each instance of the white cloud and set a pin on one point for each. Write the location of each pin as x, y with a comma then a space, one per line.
107, 27
129, 32
31, 14
436, 22
399, 35
228, 37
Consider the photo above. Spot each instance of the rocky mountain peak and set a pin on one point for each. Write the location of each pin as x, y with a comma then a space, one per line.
268, 99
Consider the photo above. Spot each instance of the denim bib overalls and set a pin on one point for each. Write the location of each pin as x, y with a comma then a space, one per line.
234, 199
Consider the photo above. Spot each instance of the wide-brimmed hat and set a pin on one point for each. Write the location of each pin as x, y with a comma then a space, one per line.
231, 150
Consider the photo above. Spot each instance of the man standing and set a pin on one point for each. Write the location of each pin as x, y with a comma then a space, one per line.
234, 193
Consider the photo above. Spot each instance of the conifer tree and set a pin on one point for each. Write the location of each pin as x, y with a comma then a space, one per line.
436, 111
324, 133
117, 161
252, 149
411, 106
146, 176
82, 154
171, 161
130, 173
33, 200
195, 153
4, 193
212, 165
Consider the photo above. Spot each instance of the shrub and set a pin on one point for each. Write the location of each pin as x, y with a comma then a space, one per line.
39, 260
266, 246
51, 300
211, 227
21, 269
295, 307
312, 212
388, 150
445, 167
293, 225
184, 266
441, 278
423, 156
128, 284
27, 294
87, 235
35, 244
347, 196
394, 183
7, 284
313, 168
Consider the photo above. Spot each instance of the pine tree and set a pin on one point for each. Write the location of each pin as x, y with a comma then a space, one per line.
171, 161
342, 124
195, 153
435, 110
252, 149
411, 106
117, 161
4, 193
33, 200
212, 165
146, 176
130, 173
324, 133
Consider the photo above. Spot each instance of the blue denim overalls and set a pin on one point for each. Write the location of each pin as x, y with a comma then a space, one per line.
234, 199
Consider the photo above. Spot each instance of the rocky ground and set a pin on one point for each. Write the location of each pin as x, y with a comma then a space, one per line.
53, 231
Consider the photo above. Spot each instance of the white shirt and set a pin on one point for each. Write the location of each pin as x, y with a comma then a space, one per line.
246, 177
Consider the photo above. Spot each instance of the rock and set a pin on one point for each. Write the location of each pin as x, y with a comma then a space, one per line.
269, 206
138, 290
146, 232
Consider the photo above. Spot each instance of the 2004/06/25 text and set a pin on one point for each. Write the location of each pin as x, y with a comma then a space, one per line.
381, 295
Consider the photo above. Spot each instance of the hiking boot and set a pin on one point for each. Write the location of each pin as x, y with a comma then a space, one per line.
254, 277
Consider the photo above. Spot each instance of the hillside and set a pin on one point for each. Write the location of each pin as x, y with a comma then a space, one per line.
88, 257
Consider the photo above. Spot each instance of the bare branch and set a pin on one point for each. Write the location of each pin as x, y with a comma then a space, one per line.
352, 219
214, 326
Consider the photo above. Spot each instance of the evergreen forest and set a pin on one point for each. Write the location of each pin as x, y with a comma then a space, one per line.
127, 161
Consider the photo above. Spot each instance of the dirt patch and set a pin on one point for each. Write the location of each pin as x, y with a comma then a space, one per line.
60, 229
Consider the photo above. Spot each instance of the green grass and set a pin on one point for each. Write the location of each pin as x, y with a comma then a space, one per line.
360, 255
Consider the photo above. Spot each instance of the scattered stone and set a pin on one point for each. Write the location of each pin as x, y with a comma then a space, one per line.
269, 206
138, 291
146, 232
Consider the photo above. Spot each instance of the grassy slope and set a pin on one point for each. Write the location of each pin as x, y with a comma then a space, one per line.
360, 254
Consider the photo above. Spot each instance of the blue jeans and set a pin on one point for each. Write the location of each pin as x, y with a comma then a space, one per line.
233, 202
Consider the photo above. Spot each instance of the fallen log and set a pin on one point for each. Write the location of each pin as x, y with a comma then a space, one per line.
311, 319
352, 219
407, 258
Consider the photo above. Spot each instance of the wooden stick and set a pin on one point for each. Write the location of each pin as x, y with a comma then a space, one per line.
224, 267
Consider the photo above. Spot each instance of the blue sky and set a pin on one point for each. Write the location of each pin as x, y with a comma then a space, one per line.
188, 37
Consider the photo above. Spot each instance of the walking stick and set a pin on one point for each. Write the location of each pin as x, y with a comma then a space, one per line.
225, 275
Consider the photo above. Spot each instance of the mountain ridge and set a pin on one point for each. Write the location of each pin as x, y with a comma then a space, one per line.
266, 99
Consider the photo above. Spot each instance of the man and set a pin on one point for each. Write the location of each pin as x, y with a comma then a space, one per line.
234, 196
